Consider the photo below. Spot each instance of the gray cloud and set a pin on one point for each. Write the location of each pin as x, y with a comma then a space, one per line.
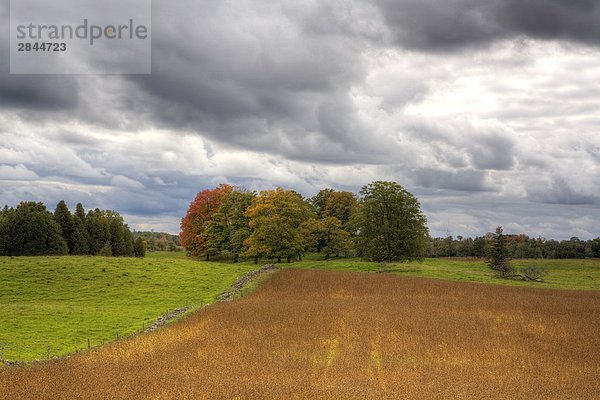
316, 94
25, 92
463, 180
452, 24
560, 192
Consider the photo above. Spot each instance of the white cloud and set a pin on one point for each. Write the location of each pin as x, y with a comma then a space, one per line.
17, 172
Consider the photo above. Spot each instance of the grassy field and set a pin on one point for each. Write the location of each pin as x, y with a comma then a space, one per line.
563, 274
53, 305
340, 335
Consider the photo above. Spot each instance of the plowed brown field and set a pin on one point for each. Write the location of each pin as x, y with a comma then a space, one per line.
339, 335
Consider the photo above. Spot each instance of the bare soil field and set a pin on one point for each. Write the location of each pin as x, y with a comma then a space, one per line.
343, 335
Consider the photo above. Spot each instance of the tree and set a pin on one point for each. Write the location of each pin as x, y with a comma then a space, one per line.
275, 216
194, 235
80, 212
63, 217
119, 235
31, 230
498, 259
79, 237
326, 236
318, 201
228, 228
97, 227
341, 205
391, 224
139, 248
595, 247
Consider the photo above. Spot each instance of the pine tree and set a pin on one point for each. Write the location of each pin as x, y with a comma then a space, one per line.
98, 230
80, 212
498, 258
31, 230
63, 217
79, 238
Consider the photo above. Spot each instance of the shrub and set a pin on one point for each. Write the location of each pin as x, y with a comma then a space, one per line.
534, 273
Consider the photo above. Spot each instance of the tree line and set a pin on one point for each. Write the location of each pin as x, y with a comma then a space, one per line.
32, 230
517, 246
159, 241
383, 223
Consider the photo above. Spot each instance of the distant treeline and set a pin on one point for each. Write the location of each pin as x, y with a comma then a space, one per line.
32, 230
159, 241
520, 246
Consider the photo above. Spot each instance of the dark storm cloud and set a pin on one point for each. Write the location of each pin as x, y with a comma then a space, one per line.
450, 24
312, 94
272, 78
31, 91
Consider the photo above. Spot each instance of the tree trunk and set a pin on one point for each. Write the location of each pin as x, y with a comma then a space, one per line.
289, 259
255, 259
207, 257
279, 260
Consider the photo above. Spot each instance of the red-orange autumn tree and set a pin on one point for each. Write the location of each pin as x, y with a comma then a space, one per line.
194, 225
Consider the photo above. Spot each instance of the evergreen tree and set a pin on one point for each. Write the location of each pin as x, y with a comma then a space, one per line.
116, 233
499, 251
79, 238
98, 230
63, 217
80, 212
4, 234
31, 230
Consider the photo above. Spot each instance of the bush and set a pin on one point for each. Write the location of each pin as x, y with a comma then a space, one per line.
534, 273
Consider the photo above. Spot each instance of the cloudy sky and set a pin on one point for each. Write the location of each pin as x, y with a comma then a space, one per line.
487, 110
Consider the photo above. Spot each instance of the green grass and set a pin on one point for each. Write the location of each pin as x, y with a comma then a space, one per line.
562, 274
57, 303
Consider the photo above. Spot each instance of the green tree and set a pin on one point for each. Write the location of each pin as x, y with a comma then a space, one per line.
318, 201
129, 242
228, 228
80, 212
79, 237
31, 230
341, 205
392, 226
98, 230
326, 236
275, 216
139, 248
4, 233
499, 251
63, 217
116, 231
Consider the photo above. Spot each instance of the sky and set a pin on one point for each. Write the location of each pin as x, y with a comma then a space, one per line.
487, 110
